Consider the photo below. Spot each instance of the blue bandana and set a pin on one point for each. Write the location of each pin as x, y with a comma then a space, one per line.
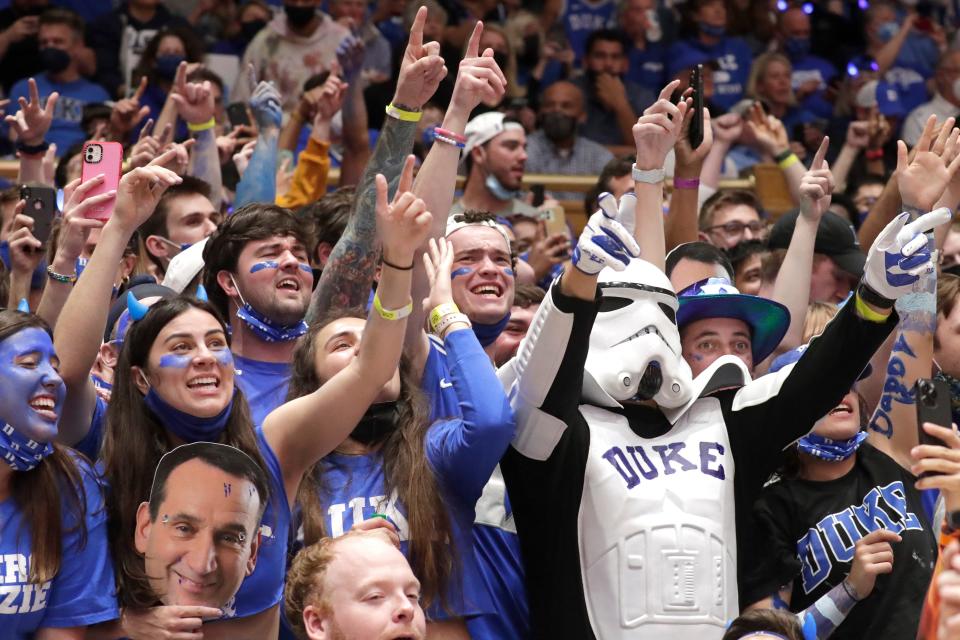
22, 454
185, 426
487, 333
266, 329
828, 449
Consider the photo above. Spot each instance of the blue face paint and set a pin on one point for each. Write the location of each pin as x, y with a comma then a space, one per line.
462, 271
175, 361
509, 272
20, 385
273, 264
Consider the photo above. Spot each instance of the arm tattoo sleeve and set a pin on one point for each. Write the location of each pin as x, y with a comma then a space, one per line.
348, 274
259, 181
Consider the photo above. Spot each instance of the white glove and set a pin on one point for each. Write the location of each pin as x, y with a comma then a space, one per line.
604, 241
900, 254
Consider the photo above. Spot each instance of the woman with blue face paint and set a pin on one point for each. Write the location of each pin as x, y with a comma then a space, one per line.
390, 457
53, 530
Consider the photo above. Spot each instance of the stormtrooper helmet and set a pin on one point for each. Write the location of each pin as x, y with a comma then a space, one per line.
635, 344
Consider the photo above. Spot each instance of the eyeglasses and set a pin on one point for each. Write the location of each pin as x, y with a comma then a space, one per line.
737, 228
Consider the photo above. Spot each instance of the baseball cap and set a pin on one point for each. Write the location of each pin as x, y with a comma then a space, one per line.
718, 298
184, 267
793, 355
836, 238
883, 95
485, 127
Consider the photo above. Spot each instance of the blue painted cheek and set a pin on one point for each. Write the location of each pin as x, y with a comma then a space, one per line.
266, 264
305, 267
224, 357
174, 361
19, 384
509, 272
462, 271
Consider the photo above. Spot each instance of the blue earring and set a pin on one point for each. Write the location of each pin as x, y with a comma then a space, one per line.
136, 308
202, 294
23, 305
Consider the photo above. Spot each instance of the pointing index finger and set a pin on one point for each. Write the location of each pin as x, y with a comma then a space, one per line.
406, 177
143, 87
668, 90
416, 31
473, 46
821, 154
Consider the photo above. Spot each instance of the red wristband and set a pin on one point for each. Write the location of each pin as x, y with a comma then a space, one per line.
873, 154
446, 133
686, 183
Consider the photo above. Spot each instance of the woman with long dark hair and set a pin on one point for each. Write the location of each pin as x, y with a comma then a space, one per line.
424, 476
53, 533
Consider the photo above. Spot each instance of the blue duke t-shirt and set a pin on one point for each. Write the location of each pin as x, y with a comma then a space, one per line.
264, 385
83, 591
66, 129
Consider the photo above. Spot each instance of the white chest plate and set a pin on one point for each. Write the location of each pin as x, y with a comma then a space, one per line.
657, 535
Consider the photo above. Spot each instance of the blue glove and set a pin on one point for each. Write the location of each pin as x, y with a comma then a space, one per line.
901, 254
604, 241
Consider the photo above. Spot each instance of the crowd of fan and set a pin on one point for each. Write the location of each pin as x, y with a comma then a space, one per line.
289, 219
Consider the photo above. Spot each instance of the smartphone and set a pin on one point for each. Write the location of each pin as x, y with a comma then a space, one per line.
696, 124
105, 158
41, 205
238, 115
539, 194
933, 405
554, 220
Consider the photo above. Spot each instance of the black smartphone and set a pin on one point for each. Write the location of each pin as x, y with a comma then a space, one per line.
41, 205
237, 113
933, 405
539, 194
696, 124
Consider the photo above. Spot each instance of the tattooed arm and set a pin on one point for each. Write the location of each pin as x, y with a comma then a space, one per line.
195, 105
347, 278
205, 164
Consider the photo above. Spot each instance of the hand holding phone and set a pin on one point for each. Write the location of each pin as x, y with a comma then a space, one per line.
41, 206
933, 405
102, 158
696, 124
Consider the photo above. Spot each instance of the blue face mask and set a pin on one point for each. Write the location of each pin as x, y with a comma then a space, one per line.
264, 328
887, 31
27, 376
487, 333
499, 191
712, 31
166, 66
185, 426
22, 454
828, 449
796, 47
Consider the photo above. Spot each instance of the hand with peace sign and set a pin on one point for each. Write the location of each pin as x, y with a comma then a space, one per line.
127, 113
421, 69
479, 78
404, 223
816, 186
923, 180
32, 121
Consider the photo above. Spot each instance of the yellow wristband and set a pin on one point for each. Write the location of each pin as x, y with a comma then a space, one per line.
866, 312
440, 311
392, 314
203, 126
400, 114
789, 161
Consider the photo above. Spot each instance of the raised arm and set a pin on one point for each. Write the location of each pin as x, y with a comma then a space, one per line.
74, 229
655, 133
682, 221
195, 106
355, 135
78, 333
893, 426
857, 139
127, 114
792, 287
479, 79
30, 124
771, 136
259, 181
25, 254
292, 429
347, 277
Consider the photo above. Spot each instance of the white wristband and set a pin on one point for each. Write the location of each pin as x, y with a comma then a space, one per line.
648, 176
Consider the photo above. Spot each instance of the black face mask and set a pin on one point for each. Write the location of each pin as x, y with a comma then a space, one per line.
377, 423
299, 16
251, 28
54, 60
558, 126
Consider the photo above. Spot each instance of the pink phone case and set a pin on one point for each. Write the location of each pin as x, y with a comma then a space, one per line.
105, 158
